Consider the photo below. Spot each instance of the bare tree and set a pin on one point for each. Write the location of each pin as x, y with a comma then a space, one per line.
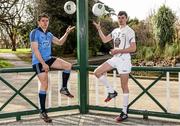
11, 14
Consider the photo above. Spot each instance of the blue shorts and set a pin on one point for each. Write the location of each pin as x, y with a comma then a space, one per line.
38, 67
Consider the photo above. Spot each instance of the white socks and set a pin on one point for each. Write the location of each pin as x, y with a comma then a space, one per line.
125, 102
104, 80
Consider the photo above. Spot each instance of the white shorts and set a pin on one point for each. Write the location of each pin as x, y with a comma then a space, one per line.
123, 65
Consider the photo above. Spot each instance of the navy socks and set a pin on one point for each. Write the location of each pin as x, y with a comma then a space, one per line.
65, 77
42, 99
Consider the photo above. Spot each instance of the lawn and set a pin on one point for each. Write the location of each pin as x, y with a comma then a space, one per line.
24, 54
4, 63
24, 50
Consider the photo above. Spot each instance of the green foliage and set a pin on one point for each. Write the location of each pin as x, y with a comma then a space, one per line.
172, 50
24, 33
5, 64
145, 53
133, 22
95, 43
59, 21
148, 53
164, 26
143, 31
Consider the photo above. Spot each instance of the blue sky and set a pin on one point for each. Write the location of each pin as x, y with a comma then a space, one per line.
142, 8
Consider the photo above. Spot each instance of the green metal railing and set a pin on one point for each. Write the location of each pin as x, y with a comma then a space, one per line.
145, 113
162, 71
18, 92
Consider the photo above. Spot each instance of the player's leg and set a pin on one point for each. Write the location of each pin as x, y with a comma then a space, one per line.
124, 68
99, 73
43, 78
125, 89
124, 85
66, 66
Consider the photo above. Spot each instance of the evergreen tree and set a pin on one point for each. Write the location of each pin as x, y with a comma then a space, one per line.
164, 26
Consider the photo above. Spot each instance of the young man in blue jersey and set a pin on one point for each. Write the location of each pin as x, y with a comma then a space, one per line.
41, 41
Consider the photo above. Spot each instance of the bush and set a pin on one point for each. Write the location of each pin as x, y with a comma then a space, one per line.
172, 50
145, 53
149, 53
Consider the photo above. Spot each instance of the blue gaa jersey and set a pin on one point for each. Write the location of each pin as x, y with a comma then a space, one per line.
44, 40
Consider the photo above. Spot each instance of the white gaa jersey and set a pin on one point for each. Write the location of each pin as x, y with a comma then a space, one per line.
122, 39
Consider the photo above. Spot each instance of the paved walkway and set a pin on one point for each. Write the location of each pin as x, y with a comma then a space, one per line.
13, 59
91, 119
17, 62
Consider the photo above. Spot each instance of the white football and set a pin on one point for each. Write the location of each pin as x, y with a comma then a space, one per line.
70, 7
98, 9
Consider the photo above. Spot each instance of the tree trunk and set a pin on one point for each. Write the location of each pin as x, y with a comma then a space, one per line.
13, 46
13, 41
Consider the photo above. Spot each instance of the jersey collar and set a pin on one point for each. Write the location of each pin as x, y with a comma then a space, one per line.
40, 29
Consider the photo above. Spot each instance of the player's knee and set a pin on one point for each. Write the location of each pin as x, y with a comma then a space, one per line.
44, 86
122, 86
69, 66
125, 88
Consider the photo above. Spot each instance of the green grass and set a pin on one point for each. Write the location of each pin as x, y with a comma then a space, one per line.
23, 54
5, 64
18, 51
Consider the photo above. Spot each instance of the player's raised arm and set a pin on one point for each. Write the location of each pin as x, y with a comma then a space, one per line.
104, 38
64, 37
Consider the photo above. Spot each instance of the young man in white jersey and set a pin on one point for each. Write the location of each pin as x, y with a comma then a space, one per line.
124, 43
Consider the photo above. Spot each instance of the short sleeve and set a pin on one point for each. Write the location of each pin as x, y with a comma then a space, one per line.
131, 36
51, 35
34, 36
112, 34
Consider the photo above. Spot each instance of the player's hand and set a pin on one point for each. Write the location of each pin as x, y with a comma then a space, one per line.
69, 29
45, 67
97, 25
114, 51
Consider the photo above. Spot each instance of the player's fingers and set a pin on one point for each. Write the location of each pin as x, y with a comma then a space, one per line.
72, 27
68, 27
94, 23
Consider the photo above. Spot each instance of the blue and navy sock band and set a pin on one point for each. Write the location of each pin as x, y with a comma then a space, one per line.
66, 71
42, 92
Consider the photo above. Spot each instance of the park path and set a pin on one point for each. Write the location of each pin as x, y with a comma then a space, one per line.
91, 119
13, 59
17, 62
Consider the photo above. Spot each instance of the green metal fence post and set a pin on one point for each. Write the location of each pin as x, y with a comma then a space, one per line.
82, 46
18, 118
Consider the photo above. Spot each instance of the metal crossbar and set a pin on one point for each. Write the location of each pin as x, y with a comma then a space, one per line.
145, 90
17, 92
